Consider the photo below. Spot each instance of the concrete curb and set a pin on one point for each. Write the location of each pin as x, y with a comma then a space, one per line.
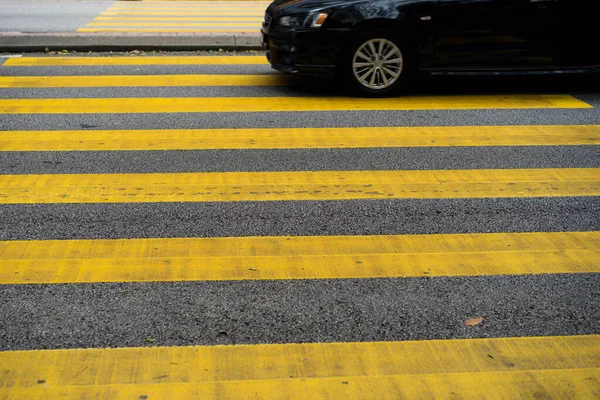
35, 42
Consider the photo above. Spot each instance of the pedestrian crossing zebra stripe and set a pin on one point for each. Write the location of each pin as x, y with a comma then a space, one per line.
559, 366
283, 104
141, 60
297, 257
300, 138
15, 82
298, 185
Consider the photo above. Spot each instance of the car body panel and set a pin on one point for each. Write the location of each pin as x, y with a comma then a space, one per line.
444, 36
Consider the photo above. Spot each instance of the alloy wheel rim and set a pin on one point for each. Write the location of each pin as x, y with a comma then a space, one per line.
377, 64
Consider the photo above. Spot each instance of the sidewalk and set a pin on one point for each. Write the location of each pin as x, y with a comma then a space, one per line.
125, 25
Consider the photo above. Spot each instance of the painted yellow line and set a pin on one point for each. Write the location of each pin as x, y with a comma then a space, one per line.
278, 186
176, 24
183, 13
144, 81
197, 2
297, 138
311, 257
274, 104
178, 19
162, 30
144, 60
560, 367
129, 3
221, 8
191, 2
188, 5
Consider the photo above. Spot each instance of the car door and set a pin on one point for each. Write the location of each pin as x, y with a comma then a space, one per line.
577, 33
477, 34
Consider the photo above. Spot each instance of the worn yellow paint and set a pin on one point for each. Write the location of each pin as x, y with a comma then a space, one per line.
186, 13
236, 7
558, 367
277, 186
175, 24
226, 19
144, 3
207, 30
276, 104
145, 80
310, 257
195, 2
295, 138
198, 2
143, 60
202, 5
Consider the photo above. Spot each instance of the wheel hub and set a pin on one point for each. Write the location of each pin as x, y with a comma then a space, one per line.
377, 64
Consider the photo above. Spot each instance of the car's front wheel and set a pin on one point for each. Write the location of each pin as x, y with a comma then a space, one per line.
375, 64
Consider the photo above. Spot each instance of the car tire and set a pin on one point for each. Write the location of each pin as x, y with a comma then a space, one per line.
367, 72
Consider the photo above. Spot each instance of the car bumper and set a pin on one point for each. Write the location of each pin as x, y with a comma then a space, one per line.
305, 52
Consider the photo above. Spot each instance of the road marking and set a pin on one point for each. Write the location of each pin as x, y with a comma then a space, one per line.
224, 19
193, 3
185, 13
298, 138
281, 186
213, 29
528, 367
308, 257
237, 8
145, 81
176, 24
279, 104
138, 60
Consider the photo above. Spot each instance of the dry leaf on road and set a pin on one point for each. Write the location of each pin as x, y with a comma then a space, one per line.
474, 321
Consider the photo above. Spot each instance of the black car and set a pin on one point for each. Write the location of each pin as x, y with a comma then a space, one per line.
374, 45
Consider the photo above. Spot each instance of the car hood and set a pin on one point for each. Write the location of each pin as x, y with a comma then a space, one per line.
285, 7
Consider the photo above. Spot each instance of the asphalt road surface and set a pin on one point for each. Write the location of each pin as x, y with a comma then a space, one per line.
154, 213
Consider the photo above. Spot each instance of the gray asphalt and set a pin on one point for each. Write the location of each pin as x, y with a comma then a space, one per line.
416, 158
48, 15
289, 218
98, 315
117, 315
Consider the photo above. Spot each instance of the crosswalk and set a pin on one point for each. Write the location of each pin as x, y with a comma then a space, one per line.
198, 16
149, 295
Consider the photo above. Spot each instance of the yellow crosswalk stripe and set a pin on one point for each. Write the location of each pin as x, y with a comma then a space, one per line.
278, 186
275, 104
188, 5
145, 60
257, 9
535, 367
185, 13
145, 81
309, 257
156, 3
158, 30
297, 138
224, 19
196, 2
218, 11
178, 24
127, 3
